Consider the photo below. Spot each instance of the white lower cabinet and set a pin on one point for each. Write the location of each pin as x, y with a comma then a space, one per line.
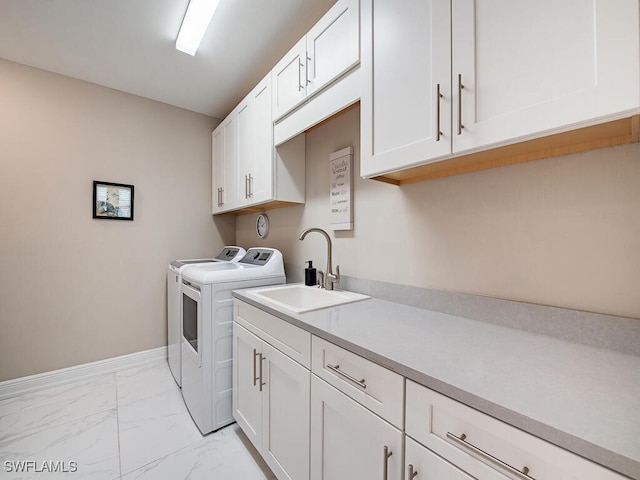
247, 396
271, 402
317, 411
348, 441
486, 448
285, 415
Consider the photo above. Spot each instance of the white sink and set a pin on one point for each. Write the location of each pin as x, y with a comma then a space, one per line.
300, 298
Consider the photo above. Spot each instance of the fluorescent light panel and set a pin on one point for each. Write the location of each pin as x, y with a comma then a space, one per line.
194, 24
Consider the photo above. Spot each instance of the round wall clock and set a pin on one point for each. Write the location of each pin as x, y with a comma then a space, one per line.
262, 225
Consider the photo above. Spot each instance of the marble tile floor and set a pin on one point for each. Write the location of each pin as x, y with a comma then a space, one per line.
128, 425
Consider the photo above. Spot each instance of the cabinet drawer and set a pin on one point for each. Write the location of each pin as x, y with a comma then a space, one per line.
289, 339
424, 464
487, 448
377, 388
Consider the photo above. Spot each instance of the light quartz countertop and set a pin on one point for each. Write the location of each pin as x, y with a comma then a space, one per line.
581, 398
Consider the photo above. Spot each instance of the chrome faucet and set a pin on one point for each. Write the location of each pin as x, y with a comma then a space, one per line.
329, 278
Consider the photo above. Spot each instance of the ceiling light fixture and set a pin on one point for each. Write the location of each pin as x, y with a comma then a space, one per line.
194, 24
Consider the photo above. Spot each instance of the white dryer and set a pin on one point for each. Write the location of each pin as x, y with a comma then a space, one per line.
174, 299
207, 330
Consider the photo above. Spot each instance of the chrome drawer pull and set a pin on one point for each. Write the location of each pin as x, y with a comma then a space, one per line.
460, 87
300, 65
385, 465
336, 369
461, 440
255, 378
438, 97
261, 384
412, 473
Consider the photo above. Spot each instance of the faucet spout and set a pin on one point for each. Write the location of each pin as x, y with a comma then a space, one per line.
330, 278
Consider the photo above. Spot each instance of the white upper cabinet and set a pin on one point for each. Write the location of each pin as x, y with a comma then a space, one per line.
330, 49
224, 165
247, 169
406, 62
289, 79
246, 148
505, 72
333, 45
255, 145
530, 67
262, 173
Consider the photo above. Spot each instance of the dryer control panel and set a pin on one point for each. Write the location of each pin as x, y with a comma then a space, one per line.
257, 256
228, 253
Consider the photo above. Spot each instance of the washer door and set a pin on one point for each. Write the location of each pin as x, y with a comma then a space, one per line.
191, 323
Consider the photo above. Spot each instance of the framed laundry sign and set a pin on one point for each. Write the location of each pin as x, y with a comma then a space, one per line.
341, 189
112, 201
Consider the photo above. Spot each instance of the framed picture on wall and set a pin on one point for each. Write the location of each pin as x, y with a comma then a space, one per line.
112, 201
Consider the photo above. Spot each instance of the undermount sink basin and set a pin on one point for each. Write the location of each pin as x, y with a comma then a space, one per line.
300, 298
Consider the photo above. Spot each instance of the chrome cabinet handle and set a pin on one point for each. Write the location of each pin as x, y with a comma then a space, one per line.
300, 65
336, 369
221, 196
307, 69
438, 97
461, 440
250, 186
262, 384
385, 464
255, 378
412, 473
246, 188
460, 87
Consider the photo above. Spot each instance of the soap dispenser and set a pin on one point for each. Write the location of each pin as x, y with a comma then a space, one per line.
310, 275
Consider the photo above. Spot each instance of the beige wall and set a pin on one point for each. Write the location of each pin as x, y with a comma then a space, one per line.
562, 231
74, 289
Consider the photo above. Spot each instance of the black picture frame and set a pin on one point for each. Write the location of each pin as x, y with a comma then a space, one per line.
112, 201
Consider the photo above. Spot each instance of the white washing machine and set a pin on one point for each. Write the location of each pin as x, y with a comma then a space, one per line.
174, 299
207, 330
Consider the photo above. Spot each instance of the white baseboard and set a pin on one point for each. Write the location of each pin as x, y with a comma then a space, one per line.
32, 383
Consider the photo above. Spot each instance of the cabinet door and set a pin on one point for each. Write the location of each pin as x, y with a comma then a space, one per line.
529, 68
348, 441
230, 163
217, 168
406, 62
224, 168
286, 397
255, 146
247, 395
333, 45
246, 147
425, 465
289, 80
261, 180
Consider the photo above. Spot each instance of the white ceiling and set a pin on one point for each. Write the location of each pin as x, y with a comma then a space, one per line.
129, 45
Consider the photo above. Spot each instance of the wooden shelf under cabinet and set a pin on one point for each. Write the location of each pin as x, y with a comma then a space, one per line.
609, 134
